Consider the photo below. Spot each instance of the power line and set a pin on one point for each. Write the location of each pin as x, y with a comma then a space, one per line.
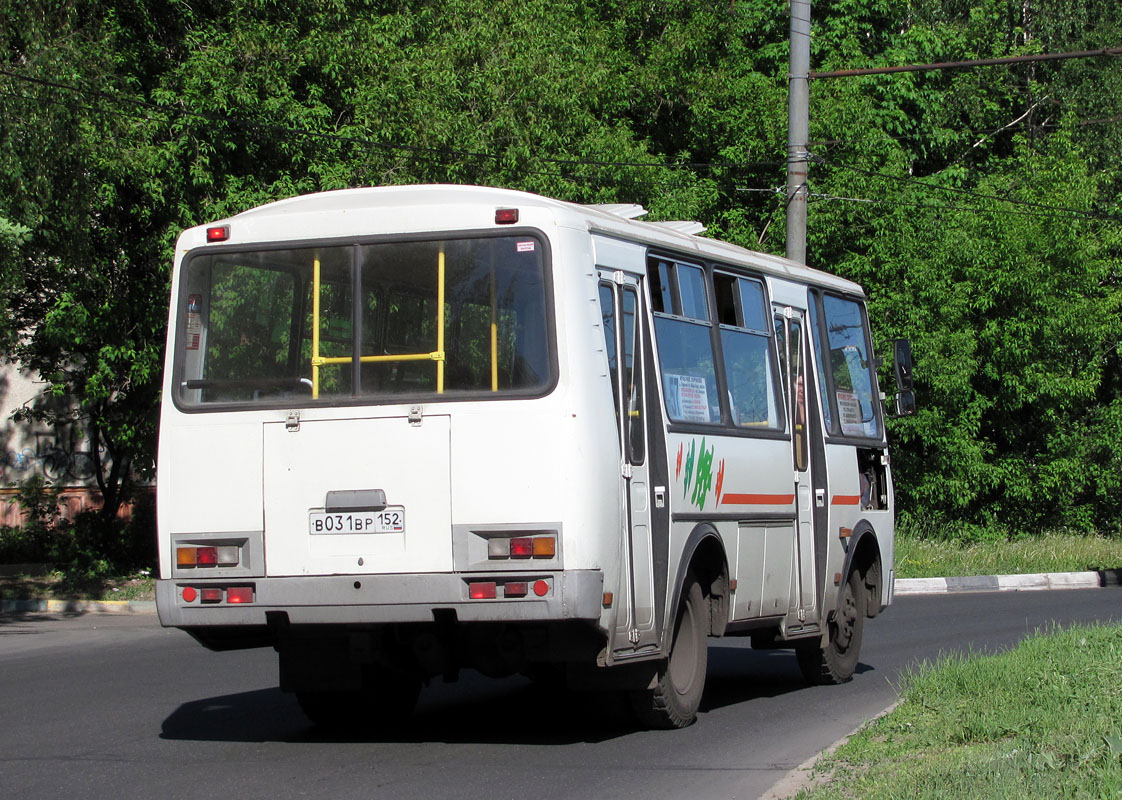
212, 117
969, 133
982, 62
359, 140
1058, 213
438, 153
966, 192
957, 208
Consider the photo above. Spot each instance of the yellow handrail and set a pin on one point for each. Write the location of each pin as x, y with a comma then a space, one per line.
494, 335
315, 329
437, 355
376, 359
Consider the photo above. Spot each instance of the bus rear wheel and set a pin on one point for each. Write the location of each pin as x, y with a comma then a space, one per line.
836, 660
674, 699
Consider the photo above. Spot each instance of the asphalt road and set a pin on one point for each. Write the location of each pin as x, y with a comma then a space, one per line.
101, 706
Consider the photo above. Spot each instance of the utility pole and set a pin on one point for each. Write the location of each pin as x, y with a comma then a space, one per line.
798, 129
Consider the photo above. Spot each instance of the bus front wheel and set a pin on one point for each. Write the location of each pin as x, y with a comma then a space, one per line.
674, 699
835, 660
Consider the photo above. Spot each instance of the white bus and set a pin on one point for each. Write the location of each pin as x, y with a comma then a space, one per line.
409, 430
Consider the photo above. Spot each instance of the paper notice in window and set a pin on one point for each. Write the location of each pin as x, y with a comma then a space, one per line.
689, 395
850, 411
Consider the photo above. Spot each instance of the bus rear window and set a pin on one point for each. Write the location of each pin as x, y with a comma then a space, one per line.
334, 323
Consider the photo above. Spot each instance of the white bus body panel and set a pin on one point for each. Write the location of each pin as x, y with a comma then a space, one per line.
210, 477
410, 463
470, 466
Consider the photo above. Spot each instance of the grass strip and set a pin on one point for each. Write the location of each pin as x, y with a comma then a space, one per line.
59, 585
1041, 720
921, 557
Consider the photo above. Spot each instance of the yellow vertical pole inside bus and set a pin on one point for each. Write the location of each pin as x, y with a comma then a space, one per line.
440, 322
315, 328
494, 335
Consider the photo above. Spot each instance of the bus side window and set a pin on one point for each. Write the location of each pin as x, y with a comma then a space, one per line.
799, 380
746, 347
824, 393
608, 317
632, 366
633, 374
683, 333
852, 383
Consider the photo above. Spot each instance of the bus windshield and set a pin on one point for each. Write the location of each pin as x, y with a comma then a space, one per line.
338, 322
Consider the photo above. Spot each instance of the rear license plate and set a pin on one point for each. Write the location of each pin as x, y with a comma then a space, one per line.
389, 520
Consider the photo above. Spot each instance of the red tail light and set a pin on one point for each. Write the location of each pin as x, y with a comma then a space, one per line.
522, 547
239, 594
482, 590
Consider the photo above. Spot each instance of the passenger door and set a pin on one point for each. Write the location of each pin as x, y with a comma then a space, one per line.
790, 330
622, 311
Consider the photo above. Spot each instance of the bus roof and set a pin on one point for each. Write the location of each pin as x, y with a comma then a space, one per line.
618, 220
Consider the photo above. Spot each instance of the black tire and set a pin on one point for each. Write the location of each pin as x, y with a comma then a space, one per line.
836, 660
386, 696
675, 698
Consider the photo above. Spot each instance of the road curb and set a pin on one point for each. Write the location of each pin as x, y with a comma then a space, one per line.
46, 606
1040, 581
803, 777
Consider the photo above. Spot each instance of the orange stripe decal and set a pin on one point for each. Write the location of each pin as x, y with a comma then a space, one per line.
846, 500
757, 499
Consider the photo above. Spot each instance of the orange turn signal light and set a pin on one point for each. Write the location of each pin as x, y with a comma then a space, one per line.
545, 547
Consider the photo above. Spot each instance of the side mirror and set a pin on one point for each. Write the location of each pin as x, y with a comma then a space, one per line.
905, 403
905, 396
902, 357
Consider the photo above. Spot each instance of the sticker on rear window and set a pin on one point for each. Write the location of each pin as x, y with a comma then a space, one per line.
194, 320
524, 247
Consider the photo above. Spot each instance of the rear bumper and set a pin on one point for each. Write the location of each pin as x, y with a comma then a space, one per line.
380, 599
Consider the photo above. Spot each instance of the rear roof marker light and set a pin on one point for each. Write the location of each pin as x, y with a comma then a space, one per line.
218, 233
506, 216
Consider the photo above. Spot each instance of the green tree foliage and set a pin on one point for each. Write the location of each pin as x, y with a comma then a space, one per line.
85, 310
988, 229
979, 207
